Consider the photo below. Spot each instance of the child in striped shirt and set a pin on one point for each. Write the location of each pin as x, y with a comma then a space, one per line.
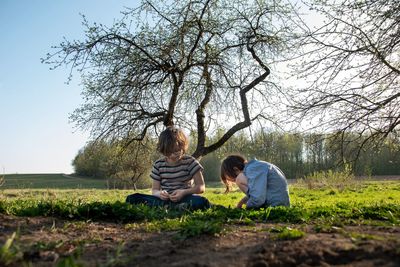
177, 177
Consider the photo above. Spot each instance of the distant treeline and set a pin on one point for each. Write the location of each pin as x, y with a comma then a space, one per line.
296, 154
299, 155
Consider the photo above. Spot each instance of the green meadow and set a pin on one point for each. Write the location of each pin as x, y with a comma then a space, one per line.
361, 202
53, 181
324, 209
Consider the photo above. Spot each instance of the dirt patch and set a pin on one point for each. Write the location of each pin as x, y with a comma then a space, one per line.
47, 241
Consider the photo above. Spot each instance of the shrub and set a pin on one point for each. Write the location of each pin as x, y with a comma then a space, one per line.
330, 179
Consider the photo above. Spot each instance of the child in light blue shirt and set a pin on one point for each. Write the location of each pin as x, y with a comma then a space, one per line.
263, 183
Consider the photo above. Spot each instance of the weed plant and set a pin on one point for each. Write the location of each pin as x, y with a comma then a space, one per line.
9, 252
338, 180
286, 233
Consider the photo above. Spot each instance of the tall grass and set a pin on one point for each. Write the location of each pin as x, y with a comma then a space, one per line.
339, 180
9, 252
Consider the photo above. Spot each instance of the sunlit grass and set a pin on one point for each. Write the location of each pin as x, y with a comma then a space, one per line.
286, 233
326, 209
369, 203
384, 192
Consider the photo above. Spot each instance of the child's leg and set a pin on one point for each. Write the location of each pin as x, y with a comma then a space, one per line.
195, 202
149, 200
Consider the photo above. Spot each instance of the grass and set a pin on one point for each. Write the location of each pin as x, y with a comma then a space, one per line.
364, 203
371, 201
338, 180
54, 181
287, 233
326, 208
9, 252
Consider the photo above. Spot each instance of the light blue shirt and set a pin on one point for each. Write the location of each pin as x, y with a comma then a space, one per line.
267, 185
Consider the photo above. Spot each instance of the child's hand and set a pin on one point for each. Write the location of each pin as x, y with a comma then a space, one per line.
241, 203
177, 195
164, 195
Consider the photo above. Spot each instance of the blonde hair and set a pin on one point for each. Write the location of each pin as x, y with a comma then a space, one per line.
171, 140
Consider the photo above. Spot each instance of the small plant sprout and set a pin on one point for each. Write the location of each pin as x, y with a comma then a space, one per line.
9, 252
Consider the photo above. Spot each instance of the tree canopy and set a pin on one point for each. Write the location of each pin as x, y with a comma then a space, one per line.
351, 67
195, 64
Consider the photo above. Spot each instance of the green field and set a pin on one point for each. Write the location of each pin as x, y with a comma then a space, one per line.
76, 204
78, 198
72, 197
54, 181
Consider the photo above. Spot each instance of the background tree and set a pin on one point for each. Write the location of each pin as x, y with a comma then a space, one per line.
191, 63
121, 166
94, 160
295, 153
299, 154
350, 66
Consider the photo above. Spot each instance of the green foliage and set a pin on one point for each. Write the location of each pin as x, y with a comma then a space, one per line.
38, 246
69, 261
264, 146
300, 155
123, 166
117, 259
192, 227
92, 160
211, 164
371, 203
330, 179
287, 233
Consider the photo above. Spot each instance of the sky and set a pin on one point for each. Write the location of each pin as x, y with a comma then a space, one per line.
36, 135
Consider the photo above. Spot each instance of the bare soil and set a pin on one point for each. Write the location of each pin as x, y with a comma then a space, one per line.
45, 241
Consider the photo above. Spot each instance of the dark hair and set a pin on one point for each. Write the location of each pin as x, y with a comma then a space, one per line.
171, 140
227, 169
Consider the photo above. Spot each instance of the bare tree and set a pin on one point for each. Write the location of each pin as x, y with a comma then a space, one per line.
193, 63
350, 69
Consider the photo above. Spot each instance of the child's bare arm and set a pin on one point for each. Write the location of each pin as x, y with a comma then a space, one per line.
199, 185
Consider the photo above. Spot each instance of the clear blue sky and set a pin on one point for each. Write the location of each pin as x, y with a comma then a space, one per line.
35, 102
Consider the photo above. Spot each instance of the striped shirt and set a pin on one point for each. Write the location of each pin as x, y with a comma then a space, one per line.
177, 175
